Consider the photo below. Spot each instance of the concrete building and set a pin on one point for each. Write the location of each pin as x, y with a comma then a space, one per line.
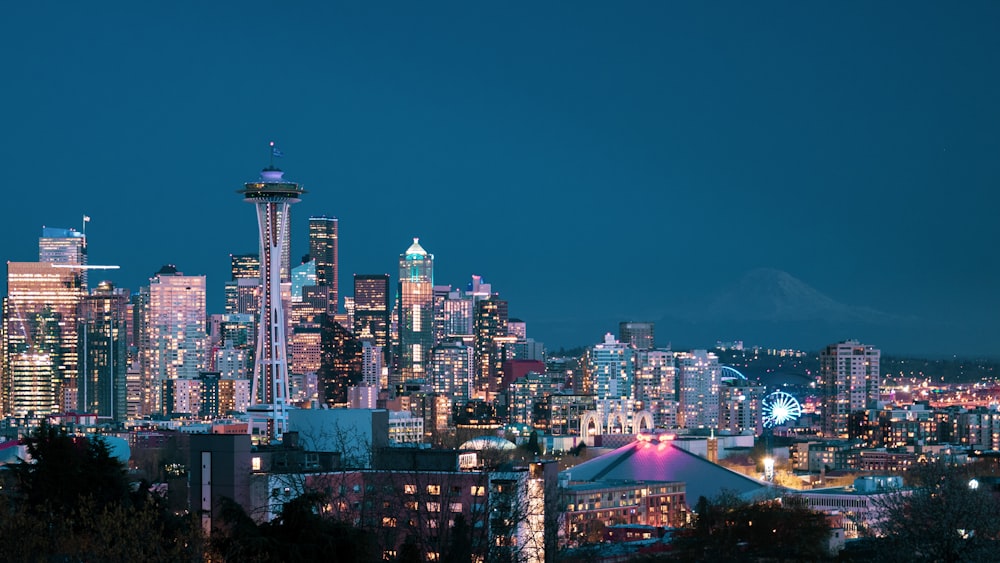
611, 369
177, 341
452, 370
850, 381
355, 433
698, 378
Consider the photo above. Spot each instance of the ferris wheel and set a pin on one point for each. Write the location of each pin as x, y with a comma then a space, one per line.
779, 408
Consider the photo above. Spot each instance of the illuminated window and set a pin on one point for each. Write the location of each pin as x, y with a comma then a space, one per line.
478, 491
455, 507
388, 522
433, 507
255, 463
410, 489
434, 489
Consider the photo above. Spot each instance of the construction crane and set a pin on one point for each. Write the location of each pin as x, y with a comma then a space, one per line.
85, 267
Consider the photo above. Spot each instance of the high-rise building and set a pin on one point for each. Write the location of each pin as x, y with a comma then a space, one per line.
517, 328
272, 195
64, 246
611, 369
639, 335
244, 266
371, 307
141, 388
849, 381
655, 385
305, 340
372, 361
458, 316
441, 293
323, 249
40, 338
302, 275
101, 387
452, 370
698, 378
416, 312
243, 297
178, 337
740, 408
490, 337
341, 363
234, 329
232, 362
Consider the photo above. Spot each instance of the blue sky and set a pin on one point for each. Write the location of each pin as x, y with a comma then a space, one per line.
595, 161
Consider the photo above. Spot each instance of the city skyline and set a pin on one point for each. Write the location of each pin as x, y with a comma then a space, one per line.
851, 176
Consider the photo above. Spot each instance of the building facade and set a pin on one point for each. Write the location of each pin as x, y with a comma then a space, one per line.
416, 312
103, 354
40, 338
698, 378
177, 343
850, 381
323, 248
371, 307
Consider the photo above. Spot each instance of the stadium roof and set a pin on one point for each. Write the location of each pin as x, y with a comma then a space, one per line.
653, 460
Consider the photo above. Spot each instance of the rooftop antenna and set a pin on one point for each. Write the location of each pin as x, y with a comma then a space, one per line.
86, 219
275, 152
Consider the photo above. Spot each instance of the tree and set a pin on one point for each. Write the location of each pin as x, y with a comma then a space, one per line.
731, 529
942, 518
301, 533
64, 469
73, 502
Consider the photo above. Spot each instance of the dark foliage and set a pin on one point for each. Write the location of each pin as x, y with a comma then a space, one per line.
729, 529
941, 519
73, 502
300, 534
67, 468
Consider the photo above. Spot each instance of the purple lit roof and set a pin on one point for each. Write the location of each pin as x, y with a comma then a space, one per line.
662, 461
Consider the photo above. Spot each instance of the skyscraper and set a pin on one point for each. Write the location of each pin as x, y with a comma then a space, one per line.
103, 352
302, 275
698, 378
639, 335
177, 346
371, 307
740, 408
416, 311
323, 249
305, 340
272, 195
341, 363
655, 385
611, 369
850, 381
243, 289
453, 370
490, 336
40, 338
244, 266
64, 246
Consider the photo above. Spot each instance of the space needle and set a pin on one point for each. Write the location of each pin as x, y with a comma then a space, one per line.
271, 194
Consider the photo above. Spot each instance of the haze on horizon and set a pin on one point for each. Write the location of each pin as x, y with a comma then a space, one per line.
710, 167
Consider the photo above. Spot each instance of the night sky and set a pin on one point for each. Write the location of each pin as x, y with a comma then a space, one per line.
595, 162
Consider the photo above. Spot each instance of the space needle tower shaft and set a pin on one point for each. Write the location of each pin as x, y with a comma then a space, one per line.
271, 195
